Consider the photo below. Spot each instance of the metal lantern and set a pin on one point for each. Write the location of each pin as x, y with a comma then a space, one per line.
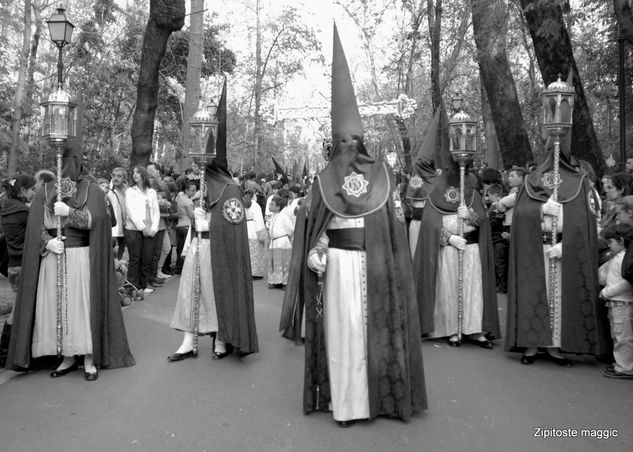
61, 31
59, 118
203, 125
462, 130
558, 107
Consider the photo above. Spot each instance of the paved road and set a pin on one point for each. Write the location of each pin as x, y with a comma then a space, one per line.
479, 400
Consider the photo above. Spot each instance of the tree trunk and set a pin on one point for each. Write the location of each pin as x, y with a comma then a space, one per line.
491, 152
435, 26
19, 91
165, 17
625, 18
554, 54
30, 84
258, 90
489, 27
194, 68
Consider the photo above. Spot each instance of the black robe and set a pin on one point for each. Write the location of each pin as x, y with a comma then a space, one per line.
109, 338
394, 354
231, 263
583, 323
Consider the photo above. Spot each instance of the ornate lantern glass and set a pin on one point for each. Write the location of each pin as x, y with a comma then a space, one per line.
60, 28
60, 117
203, 126
462, 130
558, 107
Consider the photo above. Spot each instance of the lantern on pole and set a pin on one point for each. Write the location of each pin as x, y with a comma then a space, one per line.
58, 126
462, 130
203, 127
558, 108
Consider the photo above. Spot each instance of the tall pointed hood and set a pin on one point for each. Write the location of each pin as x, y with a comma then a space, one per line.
72, 157
346, 120
424, 166
353, 184
217, 171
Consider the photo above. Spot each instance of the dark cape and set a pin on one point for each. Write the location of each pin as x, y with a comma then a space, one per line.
14, 215
428, 248
394, 354
584, 329
230, 262
109, 338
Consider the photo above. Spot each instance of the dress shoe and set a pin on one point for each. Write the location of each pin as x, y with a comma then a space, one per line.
345, 424
181, 356
455, 343
160, 280
91, 376
561, 361
527, 359
62, 372
217, 355
484, 343
155, 284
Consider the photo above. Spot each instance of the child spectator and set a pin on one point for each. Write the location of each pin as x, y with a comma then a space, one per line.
281, 231
618, 293
496, 216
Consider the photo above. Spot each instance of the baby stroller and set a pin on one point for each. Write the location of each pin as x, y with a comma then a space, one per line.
128, 293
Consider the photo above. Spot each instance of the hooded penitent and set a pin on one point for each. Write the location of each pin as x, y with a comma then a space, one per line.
444, 199
583, 316
354, 185
228, 239
109, 338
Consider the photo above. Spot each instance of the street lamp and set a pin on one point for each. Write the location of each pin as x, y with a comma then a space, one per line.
203, 127
462, 132
58, 125
558, 111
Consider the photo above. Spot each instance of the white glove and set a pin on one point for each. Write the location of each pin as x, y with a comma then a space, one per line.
199, 212
201, 223
61, 209
551, 208
55, 246
462, 212
555, 252
457, 241
317, 260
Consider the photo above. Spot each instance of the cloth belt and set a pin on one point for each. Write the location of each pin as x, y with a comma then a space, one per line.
617, 303
472, 237
547, 238
75, 238
416, 213
347, 238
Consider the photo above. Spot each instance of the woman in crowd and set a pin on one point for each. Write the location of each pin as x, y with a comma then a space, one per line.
13, 218
184, 206
140, 228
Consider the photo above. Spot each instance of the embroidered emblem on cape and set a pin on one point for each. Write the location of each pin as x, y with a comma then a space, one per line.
416, 182
549, 180
397, 204
355, 185
69, 187
452, 195
233, 211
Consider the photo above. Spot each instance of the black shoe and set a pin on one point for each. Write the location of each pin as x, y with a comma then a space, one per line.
562, 361
217, 355
156, 285
91, 376
159, 280
345, 424
61, 373
456, 343
484, 344
527, 359
181, 356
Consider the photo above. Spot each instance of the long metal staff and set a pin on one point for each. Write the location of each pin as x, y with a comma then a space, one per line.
460, 254
319, 333
60, 257
197, 282
553, 269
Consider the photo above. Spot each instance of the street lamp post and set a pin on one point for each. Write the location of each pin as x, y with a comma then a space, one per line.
203, 127
462, 131
558, 108
58, 125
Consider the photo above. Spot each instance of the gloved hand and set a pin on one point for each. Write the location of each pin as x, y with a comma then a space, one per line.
201, 224
199, 212
55, 246
555, 252
551, 208
317, 260
61, 209
457, 241
462, 212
